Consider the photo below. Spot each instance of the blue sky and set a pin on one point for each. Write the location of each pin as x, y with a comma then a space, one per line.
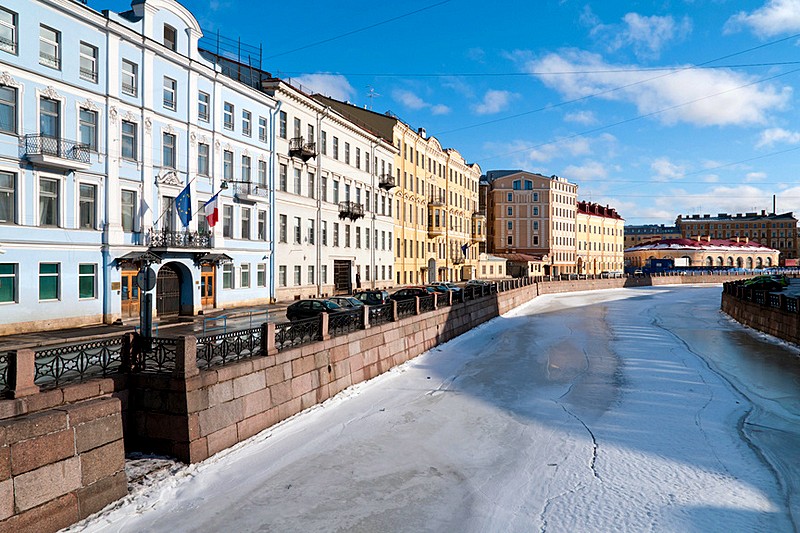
657, 108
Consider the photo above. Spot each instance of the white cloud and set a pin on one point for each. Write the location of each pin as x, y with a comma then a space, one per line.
647, 36
570, 147
476, 54
702, 97
586, 118
773, 18
591, 170
755, 176
775, 135
412, 101
665, 170
494, 101
711, 178
724, 199
333, 85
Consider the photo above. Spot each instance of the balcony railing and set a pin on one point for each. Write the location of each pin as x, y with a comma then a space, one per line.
351, 210
89, 74
299, 148
53, 151
128, 89
386, 181
436, 199
178, 239
246, 189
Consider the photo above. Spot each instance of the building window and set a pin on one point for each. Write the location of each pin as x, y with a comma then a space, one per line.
510, 211
536, 197
8, 283
282, 275
358, 157
129, 77
48, 202
246, 168
49, 47
8, 186
324, 232
336, 234
311, 235
261, 275
311, 184
347, 236
170, 37
510, 225
528, 185
336, 191
358, 237
262, 225
324, 143
282, 124
535, 211
297, 280
170, 93
227, 165
128, 211
50, 118
283, 178
8, 109
86, 206
168, 150
336, 147
323, 274
297, 127
203, 100
282, 230
311, 274
227, 276
48, 281
516, 185
509, 197
262, 173
8, 31
347, 153
88, 62
227, 116
87, 281
297, 231
88, 128
246, 223
262, 129
129, 141
244, 276
203, 159
227, 221
298, 181
323, 188
247, 123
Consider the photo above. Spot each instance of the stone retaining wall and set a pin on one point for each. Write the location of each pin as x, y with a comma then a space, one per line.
771, 320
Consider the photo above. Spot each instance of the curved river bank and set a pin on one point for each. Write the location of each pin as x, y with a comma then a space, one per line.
626, 410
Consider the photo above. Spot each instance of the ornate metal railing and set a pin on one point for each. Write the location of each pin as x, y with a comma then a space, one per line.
406, 307
178, 239
380, 314
304, 150
154, 354
351, 210
791, 305
775, 300
251, 189
426, 303
55, 366
54, 146
345, 322
386, 181
215, 350
3, 372
288, 334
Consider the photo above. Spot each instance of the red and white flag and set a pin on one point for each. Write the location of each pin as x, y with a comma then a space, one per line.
211, 211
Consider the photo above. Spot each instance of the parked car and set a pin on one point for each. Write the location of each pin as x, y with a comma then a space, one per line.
376, 297
450, 285
772, 282
408, 293
438, 287
479, 282
346, 302
311, 308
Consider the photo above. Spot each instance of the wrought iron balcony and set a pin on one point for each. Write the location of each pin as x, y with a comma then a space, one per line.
299, 148
386, 181
178, 239
436, 199
245, 190
351, 210
56, 152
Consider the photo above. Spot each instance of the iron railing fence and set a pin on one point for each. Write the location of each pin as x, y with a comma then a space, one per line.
406, 308
55, 366
380, 314
345, 322
289, 334
215, 350
426, 303
4, 373
154, 354
178, 239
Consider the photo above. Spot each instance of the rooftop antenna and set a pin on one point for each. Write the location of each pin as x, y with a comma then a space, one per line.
372, 94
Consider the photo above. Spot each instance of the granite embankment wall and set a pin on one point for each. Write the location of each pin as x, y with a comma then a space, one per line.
772, 313
62, 452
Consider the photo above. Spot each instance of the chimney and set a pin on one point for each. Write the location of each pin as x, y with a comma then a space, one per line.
422, 133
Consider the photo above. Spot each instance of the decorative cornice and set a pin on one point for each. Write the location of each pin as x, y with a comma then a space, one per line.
91, 106
51, 93
7, 80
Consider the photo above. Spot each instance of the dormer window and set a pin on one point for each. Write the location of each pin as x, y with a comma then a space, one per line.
170, 37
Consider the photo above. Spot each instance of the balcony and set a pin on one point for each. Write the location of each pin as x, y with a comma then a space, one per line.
386, 182
436, 199
250, 192
458, 260
299, 148
178, 239
478, 227
351, 210
55, 152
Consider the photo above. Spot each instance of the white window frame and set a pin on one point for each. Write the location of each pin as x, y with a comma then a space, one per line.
130, 75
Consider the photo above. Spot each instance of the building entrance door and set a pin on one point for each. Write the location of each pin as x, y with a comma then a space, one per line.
342, 276
207, 280
168, 292
129, 293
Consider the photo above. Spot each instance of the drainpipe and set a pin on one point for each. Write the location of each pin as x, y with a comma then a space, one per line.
373, 171
318, 187
273, 209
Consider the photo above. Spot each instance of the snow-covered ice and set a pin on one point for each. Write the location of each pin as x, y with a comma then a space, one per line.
619, 410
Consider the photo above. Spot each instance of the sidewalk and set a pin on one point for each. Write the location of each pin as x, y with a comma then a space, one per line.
215, 322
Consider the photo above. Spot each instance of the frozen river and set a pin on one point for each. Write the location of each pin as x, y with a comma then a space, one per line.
620, 410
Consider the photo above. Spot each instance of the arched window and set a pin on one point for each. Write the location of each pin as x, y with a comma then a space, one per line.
759, 262
720, 261
739, 262
709, 261
730, 261
688, 260
517, 185
769, 261
749, 262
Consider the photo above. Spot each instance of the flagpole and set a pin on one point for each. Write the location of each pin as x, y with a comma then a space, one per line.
176, 173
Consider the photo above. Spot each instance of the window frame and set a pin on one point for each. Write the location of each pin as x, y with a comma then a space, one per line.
44, 277
87, 219
92, 58
89, 127
247, 123
8, 196
91, 276
228, 110
169, 150
203, 159
170, 37
13, 278
133, 135
132, 75
46, 60
170, 94
12, 106
203, 106
11, 46
55, 196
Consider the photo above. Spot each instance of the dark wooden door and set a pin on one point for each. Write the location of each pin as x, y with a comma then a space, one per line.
207, 280
168, 292
342, 277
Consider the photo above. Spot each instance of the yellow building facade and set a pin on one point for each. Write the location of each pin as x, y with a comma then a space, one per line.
600, 237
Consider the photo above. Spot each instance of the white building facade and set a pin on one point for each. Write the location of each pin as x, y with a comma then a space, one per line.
104, 119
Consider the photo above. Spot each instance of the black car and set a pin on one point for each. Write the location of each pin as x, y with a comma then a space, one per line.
311, 308
409, 293
372, 297
346, 302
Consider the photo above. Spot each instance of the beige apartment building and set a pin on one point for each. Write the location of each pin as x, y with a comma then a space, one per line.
532, 214
600, 235
777, 231
438, 225
637, 234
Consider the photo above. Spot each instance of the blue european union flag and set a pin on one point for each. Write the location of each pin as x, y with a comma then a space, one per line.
183, 203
